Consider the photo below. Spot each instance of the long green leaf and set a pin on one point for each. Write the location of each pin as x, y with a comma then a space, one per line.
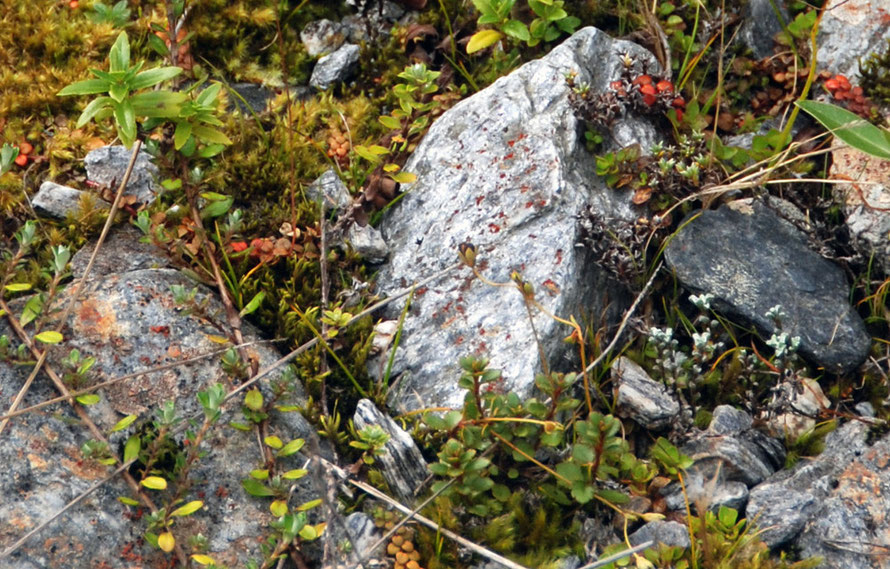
182, 134
119, 56
125, 117
85, 87
211, 135
92, 109
158, 104
850, 128
154, 76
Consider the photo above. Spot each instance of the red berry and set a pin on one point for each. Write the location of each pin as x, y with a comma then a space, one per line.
25, 147
857, 91
615, 85
649, 99
642, 80
679, 114
647, 89
843, 82
21, 160
679, 103
664, 85
832, 85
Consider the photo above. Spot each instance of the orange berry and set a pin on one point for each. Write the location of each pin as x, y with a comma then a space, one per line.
642, 80
679, 103
402, 558
832, 85
21, 160
647, 89
392, 549
408, 546
73, 4
664, 85
412, 565
26, 148
843, 82
397, 540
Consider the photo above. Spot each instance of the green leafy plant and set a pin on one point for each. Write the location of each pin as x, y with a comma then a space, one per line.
118, 15
550, 22
126, 99
851, 128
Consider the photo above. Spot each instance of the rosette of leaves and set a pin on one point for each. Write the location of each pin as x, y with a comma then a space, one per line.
123, 100
551, 21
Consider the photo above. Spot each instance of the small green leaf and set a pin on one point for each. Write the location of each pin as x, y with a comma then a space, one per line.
256, 488
128, 501
259, 474
483, 39
49, 337
309, 533
254, 303
132, 448
154, 483
516, 29
309, 505
18, 287
390, 122
119, 56
188, 509
124, 423
210, 135
278, 508
273, 442
295, 474
182, 134
253, 399
404, 177
125, 120
166, 542
217, 208
290, 448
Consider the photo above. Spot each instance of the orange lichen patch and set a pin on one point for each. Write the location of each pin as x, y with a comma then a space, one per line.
96, 318
36, 462
85, 469
860, 485
869, 178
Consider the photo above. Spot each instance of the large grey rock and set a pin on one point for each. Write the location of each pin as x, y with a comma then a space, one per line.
865, 199
129, 322
849, 30
506, 170
851, 528
782, 505
335, 67
641, 398
56, 200
106, 166
751, 260
670, 533
402, 465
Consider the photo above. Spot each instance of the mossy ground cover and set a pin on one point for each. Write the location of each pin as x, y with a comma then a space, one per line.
504, 497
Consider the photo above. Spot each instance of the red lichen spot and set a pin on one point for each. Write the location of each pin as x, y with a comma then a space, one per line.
493, 228
163, 330
479, 199
510, 143
460, 308
551, 287
481, 331
529, 204
222, 492
508, 156
502, 176
459, 340
559, 256
421, 291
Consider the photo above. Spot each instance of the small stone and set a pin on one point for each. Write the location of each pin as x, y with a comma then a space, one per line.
805, 402
256, 96
367, 242
402, 465
336, 67
727, 420
331, 188
56, 200
322, 36
106, 166
641, 398
670, 533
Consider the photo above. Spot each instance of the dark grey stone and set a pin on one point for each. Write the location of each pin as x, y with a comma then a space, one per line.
641, 398
727, 420
402, 465
256, 96
56, 200
335, 67
673, 534
505, 169
760, 25
106, 166
784, 503
751, 260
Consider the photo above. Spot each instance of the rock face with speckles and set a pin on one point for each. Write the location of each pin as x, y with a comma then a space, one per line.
755, 260
129, 322
507, 171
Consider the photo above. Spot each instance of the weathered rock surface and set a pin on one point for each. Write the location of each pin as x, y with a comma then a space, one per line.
331, 189
506, 170
667, 532
335, 67
760, 25
730, 457
129, 322
106, 166
402, 465
56, 200
641, 398
322, 36
785, 503
755, 260
849, 30
122, 252
256, 96
866, 200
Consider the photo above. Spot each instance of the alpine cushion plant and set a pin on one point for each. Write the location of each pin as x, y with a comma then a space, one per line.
122, 82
